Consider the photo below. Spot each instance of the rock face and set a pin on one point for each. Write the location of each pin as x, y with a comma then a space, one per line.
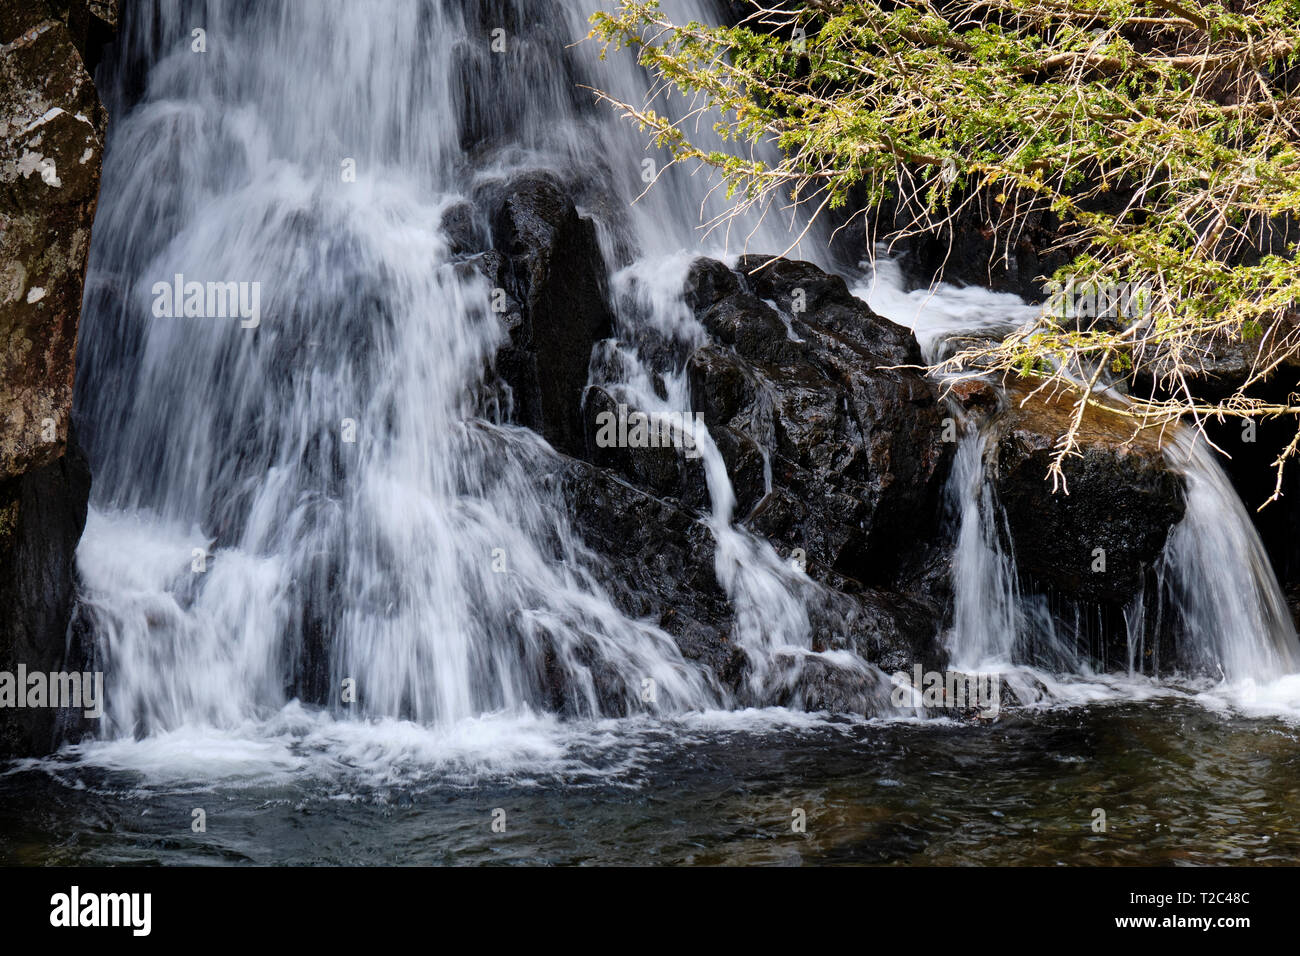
833, 441
658, 563
657, 559
51, 138
1123, 498
42, 514
549, 287
835, 456
806, 374
798, 387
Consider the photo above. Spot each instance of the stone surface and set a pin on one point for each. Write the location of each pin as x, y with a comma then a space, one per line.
554, 302
1123, 497
813, 380
52, 128
800, 376
657, 562
51, 136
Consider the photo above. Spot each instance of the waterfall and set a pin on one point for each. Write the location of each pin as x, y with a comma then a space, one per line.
769, 598
326, 487
1217, 587
987, 600
326, 475
1231, 610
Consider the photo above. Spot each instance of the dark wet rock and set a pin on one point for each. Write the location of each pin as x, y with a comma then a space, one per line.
976, 395
556, 303
709, 282
657, 562
721, 383
463, 229
824, 303
857, 464
925, 574
808, 682
42, 514
782, 280
667, 471
752, 328
893, 631
746, 467
52, 127
1123, 498
855, 444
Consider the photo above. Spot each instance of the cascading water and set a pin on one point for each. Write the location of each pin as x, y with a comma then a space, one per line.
316, 496
1217, 585
329, 491
338, 493
770, 614
1232, 612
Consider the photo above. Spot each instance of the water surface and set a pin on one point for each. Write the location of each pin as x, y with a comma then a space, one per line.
1180, 784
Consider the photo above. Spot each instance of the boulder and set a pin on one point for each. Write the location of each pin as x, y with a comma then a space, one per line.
51, 139
52, 127
823, 300
808, 374
554, 301
1123, 497
798, 383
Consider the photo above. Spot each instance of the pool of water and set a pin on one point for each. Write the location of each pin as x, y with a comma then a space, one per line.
1178, 784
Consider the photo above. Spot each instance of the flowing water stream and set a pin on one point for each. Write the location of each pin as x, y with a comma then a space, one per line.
339, 455
1215, 579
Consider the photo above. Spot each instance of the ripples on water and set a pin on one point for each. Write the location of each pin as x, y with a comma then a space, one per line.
199, 717
1180, 784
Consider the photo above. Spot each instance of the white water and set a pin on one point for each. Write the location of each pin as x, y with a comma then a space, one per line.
768, 596
422, 555
1233, 614
207, 436
1237, 642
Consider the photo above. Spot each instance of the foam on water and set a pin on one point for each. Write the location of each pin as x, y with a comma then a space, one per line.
1236, 638
936, 312
375, 559
324, 497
